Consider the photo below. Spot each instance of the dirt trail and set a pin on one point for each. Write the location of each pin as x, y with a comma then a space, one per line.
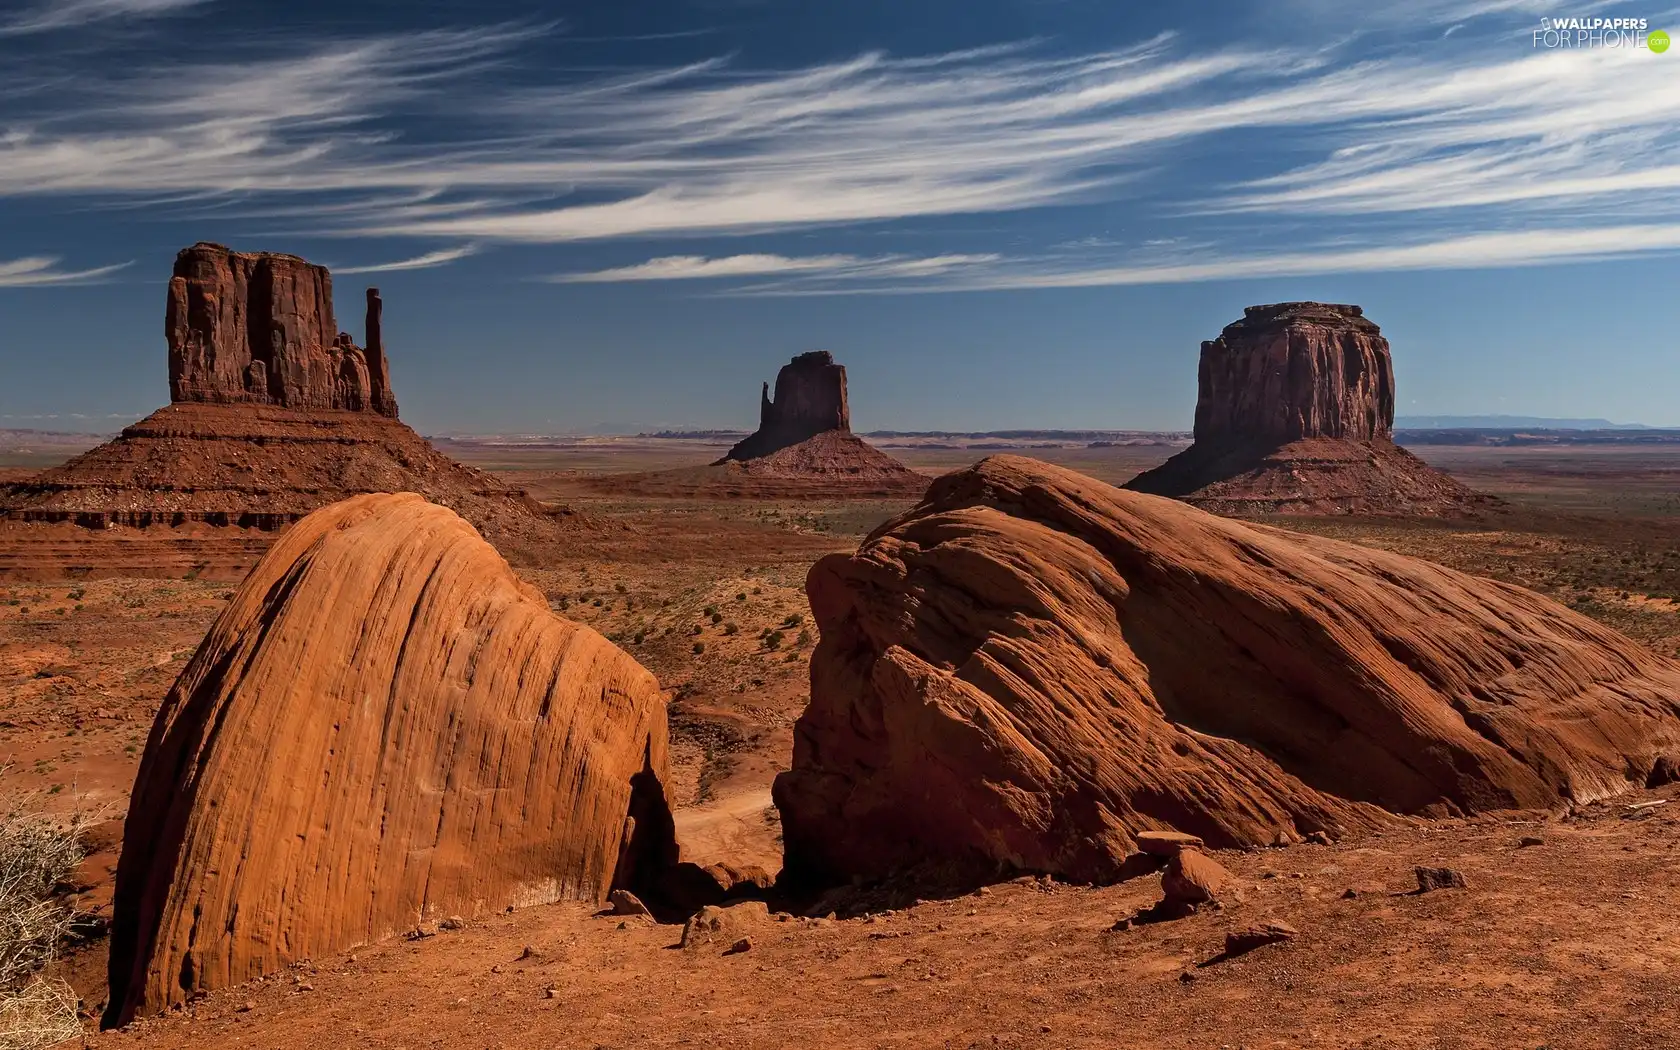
742, 828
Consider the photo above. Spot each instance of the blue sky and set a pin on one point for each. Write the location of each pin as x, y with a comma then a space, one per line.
997, 213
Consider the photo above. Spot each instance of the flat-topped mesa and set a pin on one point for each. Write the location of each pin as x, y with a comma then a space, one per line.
1295, 414
1290, 371
259, 328
810, 400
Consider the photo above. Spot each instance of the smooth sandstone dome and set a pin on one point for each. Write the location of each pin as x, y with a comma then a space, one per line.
1031, 667
385, 725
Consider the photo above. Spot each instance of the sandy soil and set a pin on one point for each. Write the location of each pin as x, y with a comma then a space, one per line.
1567, 944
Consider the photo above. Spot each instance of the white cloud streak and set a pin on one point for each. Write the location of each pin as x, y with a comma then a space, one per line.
442, 257
65, 14
1448, 144
698, 267
36, 270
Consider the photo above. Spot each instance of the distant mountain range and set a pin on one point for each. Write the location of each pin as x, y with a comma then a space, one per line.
1508, 423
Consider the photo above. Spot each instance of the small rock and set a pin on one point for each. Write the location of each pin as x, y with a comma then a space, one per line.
1237, 942
305, 986
713, 923
551, 992
1321, 838
425, 929
1349, 894
1429, 879
454, 922
496, 968
245, 1007
530, 952
624, 902
1186, 976
742, 945
1193, 878
1530, 840
1120, 925
1166, 843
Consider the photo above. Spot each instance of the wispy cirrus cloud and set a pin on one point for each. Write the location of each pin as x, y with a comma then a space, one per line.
442, 257
65, 14
1404, 148
36, 270
699, 267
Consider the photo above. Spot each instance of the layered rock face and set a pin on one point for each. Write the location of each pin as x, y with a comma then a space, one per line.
1293, 371
385, 725
1295, 412
1031, 667
810, 400
273, 417
260, 328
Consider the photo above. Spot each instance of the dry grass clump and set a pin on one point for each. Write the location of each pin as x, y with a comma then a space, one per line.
36, 854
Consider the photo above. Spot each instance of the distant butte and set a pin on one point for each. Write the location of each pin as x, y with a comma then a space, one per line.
274, 414
804, 446
810, 400
1295, 414
806, 431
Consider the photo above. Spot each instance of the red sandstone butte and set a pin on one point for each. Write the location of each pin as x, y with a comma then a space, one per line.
273, 416
810, 400
259, 327
1295, 413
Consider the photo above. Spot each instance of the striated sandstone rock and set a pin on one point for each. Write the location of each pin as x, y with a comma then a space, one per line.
384, 727
1031, 667
1295, 414
259, 328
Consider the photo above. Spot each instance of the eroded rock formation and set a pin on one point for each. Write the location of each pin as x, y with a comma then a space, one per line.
1296, 370
259, 327
273, 417
1031, 667
1295, 412
804, 442
810, 400
385, 726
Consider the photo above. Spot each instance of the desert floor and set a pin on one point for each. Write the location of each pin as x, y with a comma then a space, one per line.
1572, 943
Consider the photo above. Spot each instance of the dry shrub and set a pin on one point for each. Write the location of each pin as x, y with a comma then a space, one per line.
38, 1014
36, 853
